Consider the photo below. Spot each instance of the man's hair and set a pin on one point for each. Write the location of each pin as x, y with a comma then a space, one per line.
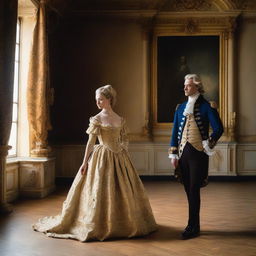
197, 81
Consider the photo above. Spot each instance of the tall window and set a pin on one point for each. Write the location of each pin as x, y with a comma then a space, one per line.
14, 129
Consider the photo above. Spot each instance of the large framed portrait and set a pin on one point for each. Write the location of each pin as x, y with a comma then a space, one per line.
195, 45
178, 56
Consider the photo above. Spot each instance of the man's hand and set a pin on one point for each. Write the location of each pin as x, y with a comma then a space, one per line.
174, 162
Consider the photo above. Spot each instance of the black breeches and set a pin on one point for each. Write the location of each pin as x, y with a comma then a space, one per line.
194, 170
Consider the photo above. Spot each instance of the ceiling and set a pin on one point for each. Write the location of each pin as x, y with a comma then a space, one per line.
82, 6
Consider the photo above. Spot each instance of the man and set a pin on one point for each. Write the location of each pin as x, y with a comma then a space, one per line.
191, 146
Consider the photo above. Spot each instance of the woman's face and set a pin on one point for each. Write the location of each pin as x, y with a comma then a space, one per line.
102, 101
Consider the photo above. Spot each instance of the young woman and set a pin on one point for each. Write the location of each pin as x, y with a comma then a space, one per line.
107, 198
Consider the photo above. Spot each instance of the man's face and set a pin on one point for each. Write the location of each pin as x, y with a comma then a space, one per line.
189, 87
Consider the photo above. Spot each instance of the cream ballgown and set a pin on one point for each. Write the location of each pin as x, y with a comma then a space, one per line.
109, 201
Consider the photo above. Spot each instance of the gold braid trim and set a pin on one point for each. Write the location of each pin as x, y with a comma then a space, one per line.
173, 150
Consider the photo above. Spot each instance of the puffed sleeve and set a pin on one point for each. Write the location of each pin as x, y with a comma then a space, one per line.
94, 127
124, 136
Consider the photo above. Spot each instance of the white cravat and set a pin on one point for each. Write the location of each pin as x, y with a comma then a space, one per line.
189, 109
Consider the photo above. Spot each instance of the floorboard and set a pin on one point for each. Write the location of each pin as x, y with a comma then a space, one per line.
228, 224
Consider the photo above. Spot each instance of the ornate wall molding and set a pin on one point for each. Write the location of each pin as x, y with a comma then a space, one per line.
150, 158
37, 177
127, 8
188, 5
214, 21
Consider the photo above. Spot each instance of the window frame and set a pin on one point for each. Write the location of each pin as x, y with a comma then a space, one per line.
15, 102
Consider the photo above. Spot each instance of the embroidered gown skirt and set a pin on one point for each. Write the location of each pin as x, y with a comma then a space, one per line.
109, 201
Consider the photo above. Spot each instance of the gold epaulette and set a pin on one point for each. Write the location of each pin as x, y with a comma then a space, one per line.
213, 104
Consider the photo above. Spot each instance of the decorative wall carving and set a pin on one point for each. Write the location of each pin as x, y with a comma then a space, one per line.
114, 7
191, 26
31, 179
37, 177
231, 27
187, 5
195, 23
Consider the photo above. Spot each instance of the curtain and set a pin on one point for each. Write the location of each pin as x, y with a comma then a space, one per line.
8, 23
39, 96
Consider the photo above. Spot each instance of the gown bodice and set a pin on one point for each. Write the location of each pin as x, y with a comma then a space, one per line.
112, 138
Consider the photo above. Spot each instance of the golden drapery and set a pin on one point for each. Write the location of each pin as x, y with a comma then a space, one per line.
39, 96
8, 23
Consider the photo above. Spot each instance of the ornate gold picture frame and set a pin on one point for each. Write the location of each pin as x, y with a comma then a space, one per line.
215, 31
178, 56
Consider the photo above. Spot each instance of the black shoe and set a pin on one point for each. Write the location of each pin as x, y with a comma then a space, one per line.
190, 232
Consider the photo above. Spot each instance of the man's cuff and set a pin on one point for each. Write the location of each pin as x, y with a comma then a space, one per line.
173, 150
207, 148
211, 142
173, 156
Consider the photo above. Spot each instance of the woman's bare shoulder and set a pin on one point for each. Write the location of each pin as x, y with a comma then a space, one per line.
97, 117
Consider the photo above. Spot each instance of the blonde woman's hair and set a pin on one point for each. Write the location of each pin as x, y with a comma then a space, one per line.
197, 81
109, 92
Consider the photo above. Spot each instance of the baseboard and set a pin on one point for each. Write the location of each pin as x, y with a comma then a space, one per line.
211, 178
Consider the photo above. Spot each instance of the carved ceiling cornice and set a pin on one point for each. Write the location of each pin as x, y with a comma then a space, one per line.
133, 7
161, 5
190, 25
187, 5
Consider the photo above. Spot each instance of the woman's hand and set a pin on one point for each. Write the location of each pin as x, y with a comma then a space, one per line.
174, 162
83, 168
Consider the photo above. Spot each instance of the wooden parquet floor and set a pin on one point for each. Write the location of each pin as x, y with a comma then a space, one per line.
228, 224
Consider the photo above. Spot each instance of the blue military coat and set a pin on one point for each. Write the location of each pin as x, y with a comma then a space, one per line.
204, 115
